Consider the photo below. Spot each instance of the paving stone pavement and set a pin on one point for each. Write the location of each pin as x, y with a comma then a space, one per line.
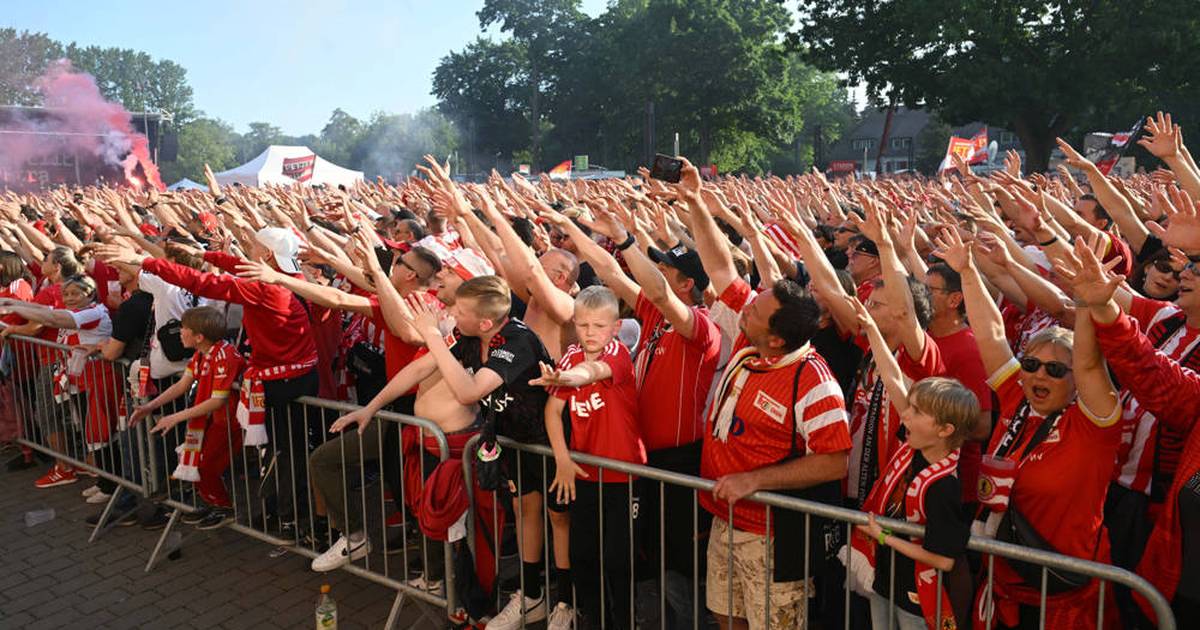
51, 577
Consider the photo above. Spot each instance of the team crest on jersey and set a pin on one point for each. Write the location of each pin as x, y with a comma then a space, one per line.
987, 488
774, 409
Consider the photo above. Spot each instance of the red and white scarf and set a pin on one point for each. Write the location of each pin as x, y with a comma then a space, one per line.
188, 468
914, 511
252, 407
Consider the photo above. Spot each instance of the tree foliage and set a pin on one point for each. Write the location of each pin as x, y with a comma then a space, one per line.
1039, 68
715, 71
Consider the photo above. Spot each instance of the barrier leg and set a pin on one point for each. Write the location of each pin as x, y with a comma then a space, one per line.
102, 525
162, 539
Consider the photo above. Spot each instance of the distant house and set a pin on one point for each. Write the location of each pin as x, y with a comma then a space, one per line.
902, 148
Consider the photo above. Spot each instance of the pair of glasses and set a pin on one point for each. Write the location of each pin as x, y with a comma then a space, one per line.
1164, 266
844, 230
1054, 369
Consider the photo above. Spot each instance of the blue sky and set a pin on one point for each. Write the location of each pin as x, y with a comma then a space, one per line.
287, 63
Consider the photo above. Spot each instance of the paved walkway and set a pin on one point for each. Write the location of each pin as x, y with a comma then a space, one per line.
50, 577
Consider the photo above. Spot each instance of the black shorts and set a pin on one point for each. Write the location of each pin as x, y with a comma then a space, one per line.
528, 476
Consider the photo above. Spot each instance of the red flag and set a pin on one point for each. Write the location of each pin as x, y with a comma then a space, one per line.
979, 152
562, 171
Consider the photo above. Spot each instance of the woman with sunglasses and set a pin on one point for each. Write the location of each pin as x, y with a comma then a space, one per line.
1046, 470
1157, 277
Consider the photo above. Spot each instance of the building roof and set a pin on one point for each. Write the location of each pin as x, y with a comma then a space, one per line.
906, 123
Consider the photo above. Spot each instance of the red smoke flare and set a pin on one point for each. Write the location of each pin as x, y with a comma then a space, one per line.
84, 121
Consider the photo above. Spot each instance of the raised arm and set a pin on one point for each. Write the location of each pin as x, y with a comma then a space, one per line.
710, 241
986, 322
321, 295
895, 279
885, 359
601, 261
55, 318
1114, 202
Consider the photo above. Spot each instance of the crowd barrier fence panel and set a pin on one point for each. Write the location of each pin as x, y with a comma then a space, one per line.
71, 406
55, 420
847, 518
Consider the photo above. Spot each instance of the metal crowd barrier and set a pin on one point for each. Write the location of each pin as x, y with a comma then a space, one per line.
270, 491
265, 482
989, 547
273, 499
59, 390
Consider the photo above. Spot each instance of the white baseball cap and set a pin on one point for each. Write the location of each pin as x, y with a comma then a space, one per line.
284, 245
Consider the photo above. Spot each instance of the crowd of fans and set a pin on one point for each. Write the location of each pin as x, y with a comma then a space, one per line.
1009, 355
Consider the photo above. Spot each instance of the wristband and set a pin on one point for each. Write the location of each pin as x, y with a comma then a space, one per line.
1053, 240
883, 536
627, 243
1193, 258
220, 200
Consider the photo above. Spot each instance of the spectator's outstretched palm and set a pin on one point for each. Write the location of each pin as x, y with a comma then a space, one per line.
1093, 282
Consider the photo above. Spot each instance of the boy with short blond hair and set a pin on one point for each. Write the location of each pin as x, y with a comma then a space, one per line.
215, 369
595, 381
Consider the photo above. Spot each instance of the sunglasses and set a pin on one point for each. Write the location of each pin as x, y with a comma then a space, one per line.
844, 230
1163, 266
1054, 369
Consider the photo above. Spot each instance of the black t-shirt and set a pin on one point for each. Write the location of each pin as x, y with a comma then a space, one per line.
1189, 520
946, 534
130, 323
842, 356
514, 354
587, 276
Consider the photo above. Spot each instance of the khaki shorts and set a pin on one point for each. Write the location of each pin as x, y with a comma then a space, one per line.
749, 580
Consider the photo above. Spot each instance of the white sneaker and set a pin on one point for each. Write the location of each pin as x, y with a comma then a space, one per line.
510, 617
90, 490
432, 586
342, 552
561, 618
98, 497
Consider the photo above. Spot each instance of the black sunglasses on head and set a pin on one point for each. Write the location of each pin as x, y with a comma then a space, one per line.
1054, 369
1164, 266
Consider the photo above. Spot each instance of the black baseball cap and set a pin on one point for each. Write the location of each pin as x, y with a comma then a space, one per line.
685, 260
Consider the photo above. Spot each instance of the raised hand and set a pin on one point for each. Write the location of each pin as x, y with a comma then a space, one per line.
1163, 138
211, 179
950, 247
1074, 158
1092, 282
1184, 222
259, 271
119, 254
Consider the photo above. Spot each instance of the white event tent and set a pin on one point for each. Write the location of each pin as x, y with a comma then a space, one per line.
286, 165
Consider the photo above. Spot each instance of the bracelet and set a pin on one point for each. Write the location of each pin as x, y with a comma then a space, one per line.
310, 227
1053, 240
1193, 258
883, 536
627, 243
220, 200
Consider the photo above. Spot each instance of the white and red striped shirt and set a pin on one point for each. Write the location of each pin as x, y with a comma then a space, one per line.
770, 398
1141, 443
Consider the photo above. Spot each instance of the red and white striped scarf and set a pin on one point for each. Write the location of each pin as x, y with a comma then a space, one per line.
252, 408
914, 512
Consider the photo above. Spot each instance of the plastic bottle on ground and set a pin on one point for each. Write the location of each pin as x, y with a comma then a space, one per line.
37, 517
326, 610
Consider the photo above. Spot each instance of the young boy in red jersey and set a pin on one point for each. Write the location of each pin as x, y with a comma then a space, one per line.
595, 378
215, 369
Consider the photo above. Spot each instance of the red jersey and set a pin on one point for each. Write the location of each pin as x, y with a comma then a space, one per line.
397, 353
107, 282
19, 289
1116, 247
1144, 440
870, 393
49, 295
673, 375
604, 414
217, 373
960, 354
763, 407
275, 322
1060, 485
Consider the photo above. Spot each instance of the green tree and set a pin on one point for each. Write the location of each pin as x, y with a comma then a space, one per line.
202, 141
931, 145
260, 136
484, 90
543, 27
339, 137
1039, 68
136, 80
23, 58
